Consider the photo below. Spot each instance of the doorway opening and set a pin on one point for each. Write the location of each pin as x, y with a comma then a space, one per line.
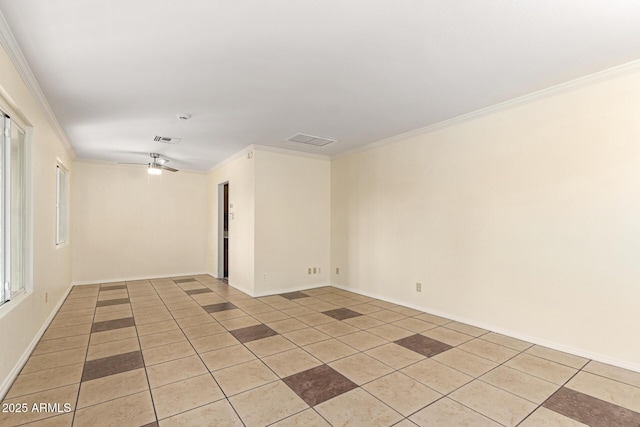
223, 230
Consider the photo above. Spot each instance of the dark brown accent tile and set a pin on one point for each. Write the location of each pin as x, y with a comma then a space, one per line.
252, 333
319, 384
108, 325
198, 291
214, 308
113, 302
590, 410
295, 295
112, 287
111, 365
342, 313
190, 279
423, 345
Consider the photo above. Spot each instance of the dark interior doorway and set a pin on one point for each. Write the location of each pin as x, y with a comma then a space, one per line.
226, 231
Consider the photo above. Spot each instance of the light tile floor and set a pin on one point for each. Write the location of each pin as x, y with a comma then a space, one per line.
192, 351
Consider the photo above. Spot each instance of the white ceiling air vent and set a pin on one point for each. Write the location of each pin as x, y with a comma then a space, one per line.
167, 140
310, 140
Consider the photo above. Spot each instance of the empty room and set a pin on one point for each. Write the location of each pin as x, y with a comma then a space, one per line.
333, 213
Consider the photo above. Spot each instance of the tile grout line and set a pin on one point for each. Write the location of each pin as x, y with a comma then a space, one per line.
75, 408
332, 297
197, 353
146, 374
545, 401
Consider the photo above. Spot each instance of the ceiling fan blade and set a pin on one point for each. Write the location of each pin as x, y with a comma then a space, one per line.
167, 168
137, 164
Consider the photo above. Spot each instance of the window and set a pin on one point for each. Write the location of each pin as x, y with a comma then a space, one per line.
13, 209
62, 204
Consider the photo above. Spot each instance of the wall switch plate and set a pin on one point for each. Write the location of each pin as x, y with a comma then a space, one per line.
309, 270
337, 270
419, 287
264, 276
315, 270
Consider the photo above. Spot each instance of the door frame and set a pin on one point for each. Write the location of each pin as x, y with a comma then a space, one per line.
221, 228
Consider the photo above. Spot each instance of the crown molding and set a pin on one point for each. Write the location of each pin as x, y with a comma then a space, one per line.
580, 82
8, 41
254, 147
289, 152
244, 152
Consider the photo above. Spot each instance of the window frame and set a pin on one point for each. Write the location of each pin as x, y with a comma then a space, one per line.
11, 292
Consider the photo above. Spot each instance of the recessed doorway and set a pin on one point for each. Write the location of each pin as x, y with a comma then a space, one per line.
223, 230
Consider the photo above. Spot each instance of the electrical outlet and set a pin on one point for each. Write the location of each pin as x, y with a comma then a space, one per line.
418, 287
264, 276
337, 270
309, 270
315, 270
46, 297
318, 270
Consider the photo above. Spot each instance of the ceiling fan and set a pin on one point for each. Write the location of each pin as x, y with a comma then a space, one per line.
156, 166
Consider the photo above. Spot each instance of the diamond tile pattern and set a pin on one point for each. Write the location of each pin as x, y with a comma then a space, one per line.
319, 384
590, 410
112, 365
198, 291
342, 313
294, 295
117, 301
109, 325
423, 345
252, 333
324, 356
214, 308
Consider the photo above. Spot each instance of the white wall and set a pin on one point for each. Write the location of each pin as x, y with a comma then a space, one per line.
292, 221
525, 221
240, 173
23, 319
279, 220
127, 224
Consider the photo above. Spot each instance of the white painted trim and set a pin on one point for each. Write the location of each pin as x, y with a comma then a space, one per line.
294, 289
275, 292
599, 76
131, 279
13, 374
15, 301
255, 147
8, 41
533, 340
291, 152
240, 288
231, 158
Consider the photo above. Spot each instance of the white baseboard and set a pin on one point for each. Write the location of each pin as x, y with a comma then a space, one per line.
294, 289
131, 279
504, 331
8, 381
274, 291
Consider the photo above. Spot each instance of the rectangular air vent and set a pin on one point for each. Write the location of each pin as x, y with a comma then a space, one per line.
301, 138
167, 140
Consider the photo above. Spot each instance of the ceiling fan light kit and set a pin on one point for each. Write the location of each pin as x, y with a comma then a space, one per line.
156, 166
154, 169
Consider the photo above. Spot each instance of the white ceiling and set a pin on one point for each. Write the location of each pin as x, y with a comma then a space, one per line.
117, 72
